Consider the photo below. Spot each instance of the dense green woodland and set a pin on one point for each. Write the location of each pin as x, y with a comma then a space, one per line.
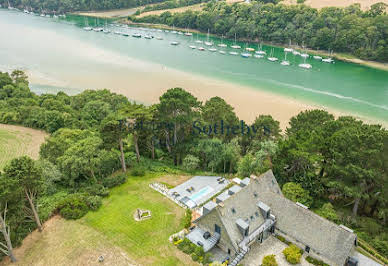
338, 167
349, 30
62, 6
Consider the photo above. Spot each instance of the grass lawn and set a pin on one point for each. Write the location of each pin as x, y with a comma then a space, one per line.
17, 141
146, 241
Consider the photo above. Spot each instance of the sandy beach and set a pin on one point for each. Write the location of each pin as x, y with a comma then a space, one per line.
146, 82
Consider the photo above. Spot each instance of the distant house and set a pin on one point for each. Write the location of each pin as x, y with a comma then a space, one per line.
249, 213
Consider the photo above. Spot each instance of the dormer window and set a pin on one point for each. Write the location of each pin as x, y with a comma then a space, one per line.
233, 210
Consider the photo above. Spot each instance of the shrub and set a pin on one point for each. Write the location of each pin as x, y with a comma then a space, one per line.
190, 162
48, 204
316, 261
114, 181
300, 1
73, 207
96, 190
292, 254
187, 218
327, 211
186, 246
283, 239
269, 261
194, 257
138, 171
296, 193
94, 202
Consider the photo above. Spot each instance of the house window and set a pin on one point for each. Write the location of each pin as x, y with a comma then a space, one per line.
233, 210
229, 251
246, 232
255, 194
217, 229
252, 217
307, 249
257, 214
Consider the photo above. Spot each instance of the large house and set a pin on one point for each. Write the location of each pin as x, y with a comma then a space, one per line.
256, 208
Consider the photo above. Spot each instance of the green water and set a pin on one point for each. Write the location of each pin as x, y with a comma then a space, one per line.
59, 47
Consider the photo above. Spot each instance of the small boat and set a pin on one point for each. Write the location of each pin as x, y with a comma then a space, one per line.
199, 41
126, 34
207, 39
304, 55
106, 31
285, 62
174, 43
233, 53
222, 52
117, 32
87, 28
42, 15
166, 31
317, 57
188, 34
212, 49
47, 16
272, 58
201, 48
136, 35
235, 46
260, 51
328, 60
305, 65
295, 52
180, 33
193, 46
55, 16
158, 38
288, 49
246, 55
250, 49
174, 31
222, 44
148, 37
159, 30
98, 29
258, 56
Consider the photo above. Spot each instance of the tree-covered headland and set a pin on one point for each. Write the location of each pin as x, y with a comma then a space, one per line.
344, 30
336, 166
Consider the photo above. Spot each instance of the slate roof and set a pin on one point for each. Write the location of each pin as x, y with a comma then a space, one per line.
322, 236
241, 205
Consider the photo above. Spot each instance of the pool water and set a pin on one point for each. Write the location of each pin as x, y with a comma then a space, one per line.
204, 191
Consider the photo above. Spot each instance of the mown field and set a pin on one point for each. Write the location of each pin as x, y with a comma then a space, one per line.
146, 241
112, 232
17, 141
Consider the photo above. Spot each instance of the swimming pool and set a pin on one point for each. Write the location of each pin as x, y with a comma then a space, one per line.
204, 191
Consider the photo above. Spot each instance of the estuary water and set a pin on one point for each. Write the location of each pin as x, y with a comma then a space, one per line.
61, 55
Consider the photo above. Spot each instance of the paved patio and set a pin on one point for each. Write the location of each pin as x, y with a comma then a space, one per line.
198, 190
270, 246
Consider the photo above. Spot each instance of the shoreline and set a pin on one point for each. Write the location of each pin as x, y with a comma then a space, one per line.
248, 102
348, 58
